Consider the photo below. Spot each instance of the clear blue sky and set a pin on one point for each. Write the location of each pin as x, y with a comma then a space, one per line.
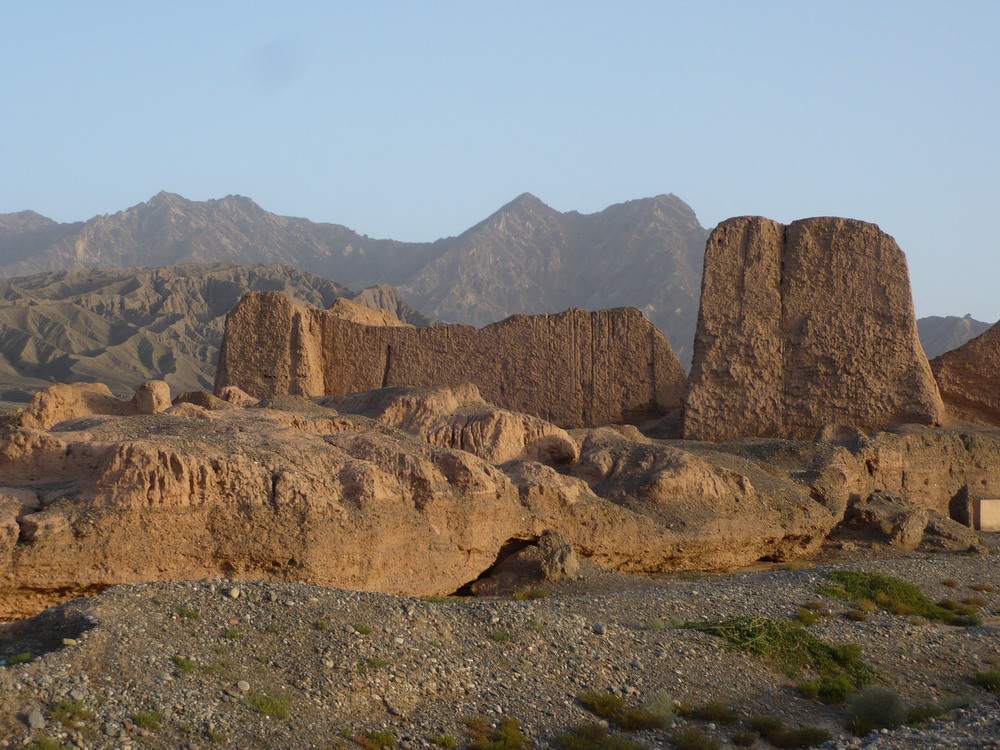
414, 120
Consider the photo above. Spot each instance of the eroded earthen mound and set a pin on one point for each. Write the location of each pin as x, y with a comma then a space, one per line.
804, 325
969, 378
575, 368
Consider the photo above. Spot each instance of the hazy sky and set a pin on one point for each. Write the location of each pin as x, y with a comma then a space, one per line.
415, 120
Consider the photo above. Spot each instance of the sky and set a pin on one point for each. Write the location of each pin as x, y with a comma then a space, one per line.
416, 120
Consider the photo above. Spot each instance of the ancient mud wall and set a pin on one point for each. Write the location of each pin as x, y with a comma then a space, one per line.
969, 378
574, 368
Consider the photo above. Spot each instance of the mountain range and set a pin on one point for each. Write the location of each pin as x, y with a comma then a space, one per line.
524, 258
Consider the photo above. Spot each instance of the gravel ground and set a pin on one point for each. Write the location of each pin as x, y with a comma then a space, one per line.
201, 655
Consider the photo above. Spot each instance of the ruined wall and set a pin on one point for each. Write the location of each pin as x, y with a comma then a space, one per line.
969, 378
574, 368
805, 325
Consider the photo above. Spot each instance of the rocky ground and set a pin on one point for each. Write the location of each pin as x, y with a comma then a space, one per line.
285, 665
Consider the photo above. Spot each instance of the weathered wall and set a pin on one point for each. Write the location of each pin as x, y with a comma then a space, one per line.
805, 325
574, 368
969, 378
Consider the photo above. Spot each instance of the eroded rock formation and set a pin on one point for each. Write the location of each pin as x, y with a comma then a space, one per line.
574, 368
804, 325
969, 378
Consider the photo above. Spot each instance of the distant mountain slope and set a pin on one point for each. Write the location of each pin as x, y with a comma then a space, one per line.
125, 325
526, 257
942, 334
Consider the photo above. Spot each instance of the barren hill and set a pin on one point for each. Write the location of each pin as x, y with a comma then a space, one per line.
125, 325
525, 258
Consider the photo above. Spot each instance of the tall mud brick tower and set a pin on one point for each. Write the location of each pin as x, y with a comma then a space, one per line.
805, 325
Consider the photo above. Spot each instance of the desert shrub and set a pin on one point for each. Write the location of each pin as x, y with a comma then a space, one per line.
70, 712
693, 738
876, 707
321, 625
500, 636
44, 743
232, 634
530, 594
716, 710
814, 606
857, 615
362, 628
186, 613
447, 741
149, 720
594, 737
744, 738
807, 617
506, 736
535, 625
920, 713
974, 601
966, 621
374, 662
656, 714
184, 664
889, 593
799, 738
270, 703
952, 606
789, 646
984, 587
988, 680
949, 582
765, 725
22, 658
379, 738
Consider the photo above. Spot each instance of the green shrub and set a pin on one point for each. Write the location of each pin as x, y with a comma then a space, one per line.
184, 664
360, 627
984, 587
500, 636
919, 714
44, 743
693, 738
798, 738
949, 582
974, 601
889, 593
744, 738
876, 707
149, 720
232, 634
789, 646
22, 658
765, 725
718, 711
379, 738
593, 737
857, 615
814, 606
807, 617
186, 613
506, 736
446, 741
321, 625
70, 712
270, 703
988, 680
373, 662
656, 714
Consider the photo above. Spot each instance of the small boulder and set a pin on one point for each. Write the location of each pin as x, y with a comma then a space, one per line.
151, 397
945, 534
236, 395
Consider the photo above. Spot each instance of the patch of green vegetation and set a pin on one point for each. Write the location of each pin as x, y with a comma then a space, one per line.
656, 714
232, 634
718, 711
949, 582
744, 738
693, 738
814, 606
856, 615
44, 743
447, 741
500, 636
186, 613
272, 628
505, 736
535, 625
321, 625
270, 703
984, 587
654, 625
920, 713
217, 738
379, 738
533, 593
594, 737
890, 593
70, 712
362, 628
876, 707
807, 617
22, 658
791, 648
773, 729
988, 680
974, 601
373, 662
149, 720
184, 664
